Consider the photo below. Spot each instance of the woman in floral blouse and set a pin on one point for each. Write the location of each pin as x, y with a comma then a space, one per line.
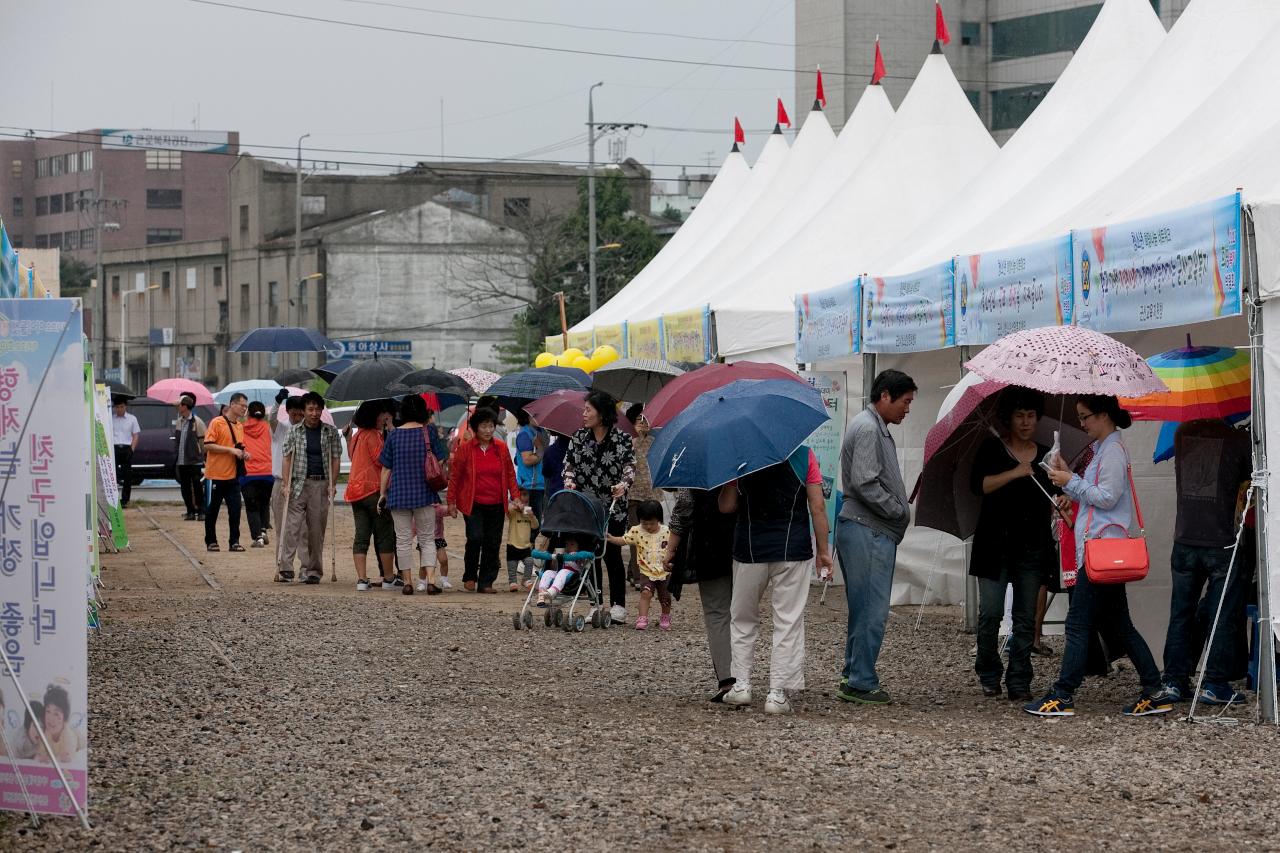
601, 462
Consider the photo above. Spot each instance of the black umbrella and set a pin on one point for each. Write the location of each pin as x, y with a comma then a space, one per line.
519, 388
119, 389
438, 380
330, 369
368, 380
294, 376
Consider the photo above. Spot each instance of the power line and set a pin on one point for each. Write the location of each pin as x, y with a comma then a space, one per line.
562, 24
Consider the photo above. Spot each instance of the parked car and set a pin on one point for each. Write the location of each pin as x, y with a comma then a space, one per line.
341, 417
157, 445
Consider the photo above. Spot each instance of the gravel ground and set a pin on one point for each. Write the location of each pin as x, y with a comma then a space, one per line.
260, 716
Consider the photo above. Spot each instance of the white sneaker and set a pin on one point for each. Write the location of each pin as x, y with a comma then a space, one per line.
444, 583
618, 614
388, 585
739, 694
362, 585
421, 586
775, 703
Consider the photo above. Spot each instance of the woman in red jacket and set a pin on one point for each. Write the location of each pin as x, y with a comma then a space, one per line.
482, 480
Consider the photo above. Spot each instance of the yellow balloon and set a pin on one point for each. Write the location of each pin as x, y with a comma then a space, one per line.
583, 363
572, 353
544, 359
597, 363
565, 359
605, 354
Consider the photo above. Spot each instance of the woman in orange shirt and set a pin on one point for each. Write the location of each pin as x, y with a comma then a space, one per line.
362, 493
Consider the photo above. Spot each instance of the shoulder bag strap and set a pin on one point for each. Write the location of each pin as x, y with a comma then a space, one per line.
1096, 473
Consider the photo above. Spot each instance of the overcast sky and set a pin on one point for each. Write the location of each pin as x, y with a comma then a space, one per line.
74, 64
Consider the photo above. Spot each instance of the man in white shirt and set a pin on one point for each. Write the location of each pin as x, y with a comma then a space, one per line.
124, 435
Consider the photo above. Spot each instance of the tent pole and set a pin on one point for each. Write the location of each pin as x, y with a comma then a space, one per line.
1266, 685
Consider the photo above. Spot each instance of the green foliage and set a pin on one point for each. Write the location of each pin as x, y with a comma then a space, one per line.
670, 214
74, 276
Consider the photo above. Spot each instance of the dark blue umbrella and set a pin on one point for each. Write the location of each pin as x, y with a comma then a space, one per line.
733, 431
331, 369
519, 388
282, 339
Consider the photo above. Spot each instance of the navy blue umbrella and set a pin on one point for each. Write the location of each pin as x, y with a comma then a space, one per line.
733, 431
519, 388
282, 339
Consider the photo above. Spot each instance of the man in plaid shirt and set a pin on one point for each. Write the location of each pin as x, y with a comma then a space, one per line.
312, 459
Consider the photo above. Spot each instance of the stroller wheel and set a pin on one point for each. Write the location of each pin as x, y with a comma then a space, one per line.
515, 620
546, 617
605, 619
528, 620
579, 623
557, 616
595, 619
567, 625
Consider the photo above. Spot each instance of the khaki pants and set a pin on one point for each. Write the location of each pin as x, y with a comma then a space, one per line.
308, 514
416, 526
790, 594
717, 597
287, 547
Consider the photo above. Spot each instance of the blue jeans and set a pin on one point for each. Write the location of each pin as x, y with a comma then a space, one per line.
1025, 576
1093, 606
866, 557
1192, 568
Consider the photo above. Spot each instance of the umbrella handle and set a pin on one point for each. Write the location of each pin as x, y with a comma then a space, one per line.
1039, 485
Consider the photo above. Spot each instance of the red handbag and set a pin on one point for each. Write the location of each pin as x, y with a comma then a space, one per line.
1118, 560
437, 479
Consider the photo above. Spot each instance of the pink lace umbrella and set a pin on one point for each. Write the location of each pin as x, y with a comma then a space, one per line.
1067, 360
478, 379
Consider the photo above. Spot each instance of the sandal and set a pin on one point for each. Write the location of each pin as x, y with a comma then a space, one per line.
212, 546
236, 547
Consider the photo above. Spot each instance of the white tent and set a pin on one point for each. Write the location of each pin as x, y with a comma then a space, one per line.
934, 146
639, 290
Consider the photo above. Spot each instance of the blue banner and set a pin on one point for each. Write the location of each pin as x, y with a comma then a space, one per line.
1009, 290
1168, 270
909, 313
827, 325
9, 280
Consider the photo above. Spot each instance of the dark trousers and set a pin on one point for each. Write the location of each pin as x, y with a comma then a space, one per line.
537, 500
124, 472
257, 505
484, 536
1025, 578
1102, 606
189, 483
219, 491
613, 562
1192, 569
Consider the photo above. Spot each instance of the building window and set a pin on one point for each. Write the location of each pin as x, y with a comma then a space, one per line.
273, 299
970, 33
55, 165
86, 160
42, 168
165, 281
55, 203
115, 358
42, 206
164, 199
17, 206
244, 217
244, 360
211, 357
1047, 32
73, 163
1010, 107
71, 241
313, 205
55, 240
515, 208
42, 241
217, 276
69, 202
163, 235
115, 285
244, 305
86, 238
224, 320
975, 98
15, 169
164, 160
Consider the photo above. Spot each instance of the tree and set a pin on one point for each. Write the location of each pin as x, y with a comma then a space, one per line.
670, 214
74, 276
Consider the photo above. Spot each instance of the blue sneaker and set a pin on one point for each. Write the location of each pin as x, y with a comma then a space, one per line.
1221, 694
1054, 704
1149, 704
1174, 693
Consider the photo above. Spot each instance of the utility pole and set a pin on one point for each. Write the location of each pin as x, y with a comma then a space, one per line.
591, 196
99, 225
297, 230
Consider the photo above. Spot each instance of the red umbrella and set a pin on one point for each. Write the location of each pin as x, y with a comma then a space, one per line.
561, 412
683, 390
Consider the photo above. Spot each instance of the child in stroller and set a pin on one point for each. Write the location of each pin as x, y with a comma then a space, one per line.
552, 581
575, 524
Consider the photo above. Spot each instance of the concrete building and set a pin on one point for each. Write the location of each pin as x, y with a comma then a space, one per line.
1005, 53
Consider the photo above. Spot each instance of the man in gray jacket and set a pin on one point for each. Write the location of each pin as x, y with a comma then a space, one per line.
871, 524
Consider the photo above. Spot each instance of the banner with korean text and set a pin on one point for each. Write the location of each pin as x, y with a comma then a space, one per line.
909, 313
614, 336
105, 454
1167, 270
826, 439
584, 341
554, 344
686, 335
827, 324
45, 460
644, 339
1009, 290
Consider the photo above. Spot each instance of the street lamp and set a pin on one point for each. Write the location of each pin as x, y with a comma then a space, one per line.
124, 365
297, 212
591, 195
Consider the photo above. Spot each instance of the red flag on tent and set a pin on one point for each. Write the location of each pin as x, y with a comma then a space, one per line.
783, 118
821, 96
942, 34
739, 138
878, 72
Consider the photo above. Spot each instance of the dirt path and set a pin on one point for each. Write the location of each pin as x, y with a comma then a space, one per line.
262, 716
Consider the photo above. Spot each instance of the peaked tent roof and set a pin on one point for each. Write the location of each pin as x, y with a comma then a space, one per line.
934, 146
1123, 38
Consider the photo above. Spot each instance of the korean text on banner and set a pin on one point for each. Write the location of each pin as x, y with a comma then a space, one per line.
1008, 290
614, 336
909, 313
644, 339
825, 440
827, 324
1168, 270
684, 335
584, 341
554, 344
42, 516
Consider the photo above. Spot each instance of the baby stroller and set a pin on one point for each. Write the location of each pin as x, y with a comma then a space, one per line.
586, 519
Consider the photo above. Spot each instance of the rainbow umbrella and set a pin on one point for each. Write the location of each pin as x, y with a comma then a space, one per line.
1204, 382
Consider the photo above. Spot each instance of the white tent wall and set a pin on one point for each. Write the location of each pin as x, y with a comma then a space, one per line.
1266, 227
1271, 506
1123, 38
716, 203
